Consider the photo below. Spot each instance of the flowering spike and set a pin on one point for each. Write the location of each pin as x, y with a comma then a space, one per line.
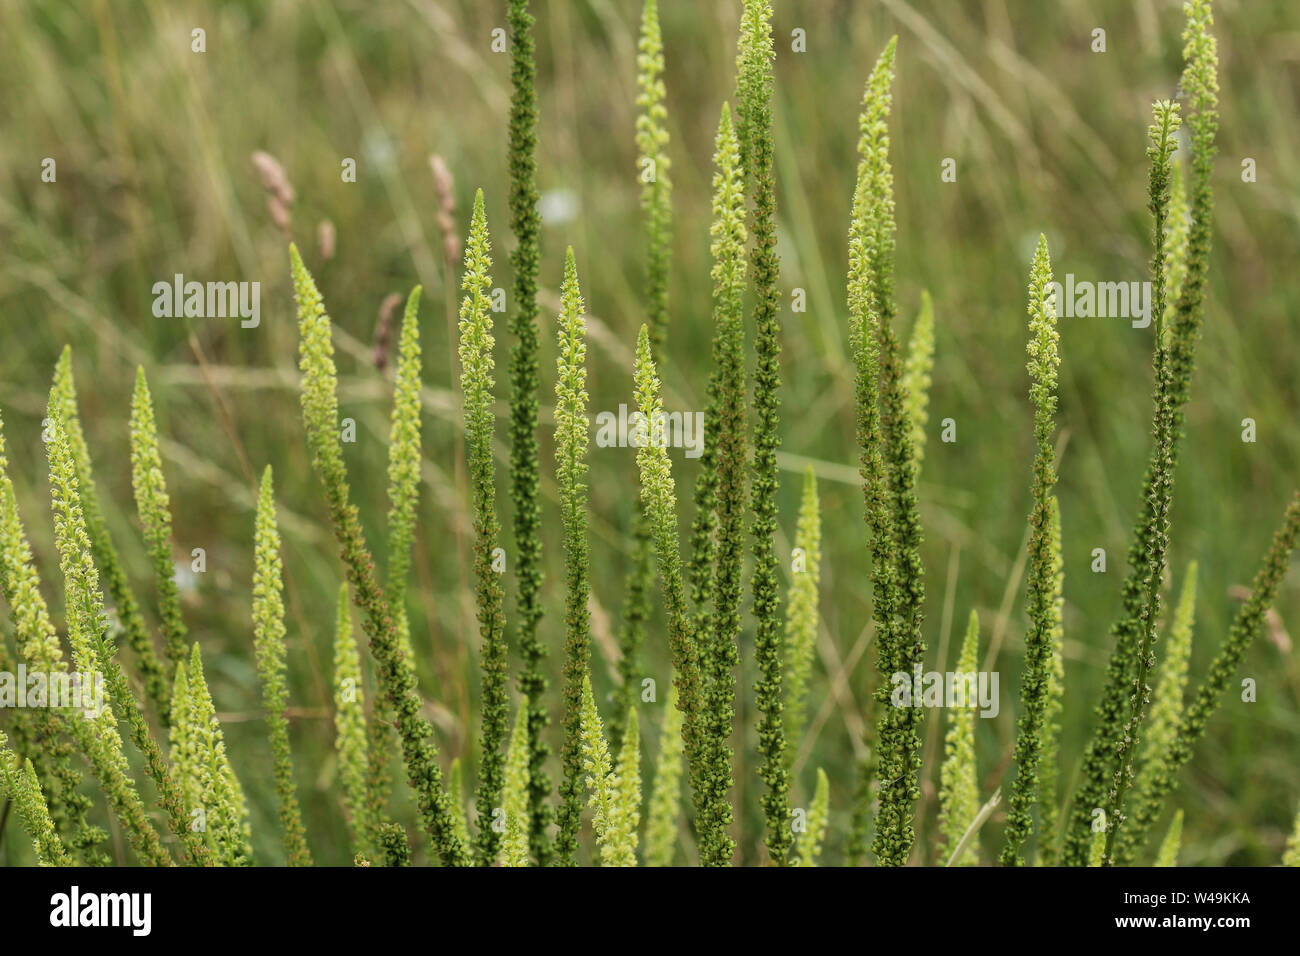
155, 515
397, 683
20, 785
476, 384
1104, 770
665, 797
126, 608
219, 794
917, 371
571, 427
810, 843
1168, 854
1041, 596
268, 642
525, 386
660, 499
959, 799
514, 848
86, 624
350, 727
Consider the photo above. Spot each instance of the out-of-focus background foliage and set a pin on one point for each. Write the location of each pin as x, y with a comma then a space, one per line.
153, 143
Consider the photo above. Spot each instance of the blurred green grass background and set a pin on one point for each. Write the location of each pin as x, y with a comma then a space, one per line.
152, 143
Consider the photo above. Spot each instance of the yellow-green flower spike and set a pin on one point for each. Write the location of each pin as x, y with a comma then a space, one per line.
658, 493
917, 373
514, 799
268, 643
1049, 770
221, 798
19, 784
476, 385
350, 728
571, 442
397, 683
615, 792
1043, 580
810, 841
126, 608
959, 799
86, 624
666, 795
1104, 767
654, 165
155, 515
1172, 843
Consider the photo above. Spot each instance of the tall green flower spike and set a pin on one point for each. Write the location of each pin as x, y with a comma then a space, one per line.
719, 650
893, 817
171, 795
810, 843
959, 799
659, 496
571, 442
38, 645
1101, 763
225, 811
801, 617
666, 795
350, 728
656, 202
155, 516
476, 385
1245, 627
268, 643
627, 792
514, 849
184, 743
321, 418
889, 429
1163, 143
1041, 598
525, 384
403, 498
757, 156
1163, 722
19, 784
1170, 845
652, 154
404, 464
127, 609
86, 623
614, 798
1049, 770
917, 373
596, 765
